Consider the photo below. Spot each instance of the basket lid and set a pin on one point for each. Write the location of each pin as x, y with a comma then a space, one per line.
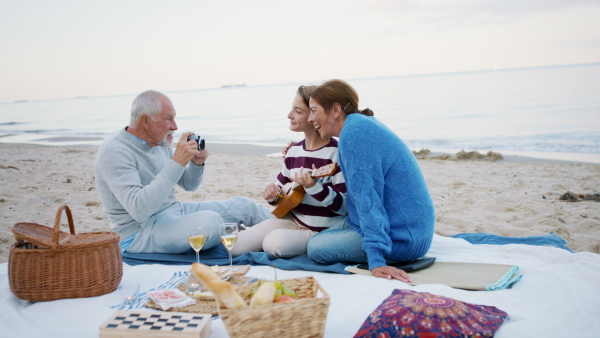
46, 237
88, 239
36, 234
41, 236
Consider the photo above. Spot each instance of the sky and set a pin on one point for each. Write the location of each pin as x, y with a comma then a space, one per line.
70, 48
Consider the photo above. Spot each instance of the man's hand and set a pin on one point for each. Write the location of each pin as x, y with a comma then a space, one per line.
200, 157
185, 150
389, 272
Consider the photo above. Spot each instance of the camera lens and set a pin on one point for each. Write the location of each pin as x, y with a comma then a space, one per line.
199, 141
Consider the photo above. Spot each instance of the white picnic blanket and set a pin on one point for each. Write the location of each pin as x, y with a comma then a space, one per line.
558, 295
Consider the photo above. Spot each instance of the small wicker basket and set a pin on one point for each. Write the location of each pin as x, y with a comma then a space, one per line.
48, 264
305, 317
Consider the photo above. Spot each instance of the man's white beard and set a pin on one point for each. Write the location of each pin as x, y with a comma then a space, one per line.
166, 142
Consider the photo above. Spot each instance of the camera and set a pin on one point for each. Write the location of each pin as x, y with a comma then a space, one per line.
199, 141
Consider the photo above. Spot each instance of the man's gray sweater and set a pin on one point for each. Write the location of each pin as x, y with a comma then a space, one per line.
136, 181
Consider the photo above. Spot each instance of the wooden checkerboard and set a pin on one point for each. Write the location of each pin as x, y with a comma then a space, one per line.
132, 323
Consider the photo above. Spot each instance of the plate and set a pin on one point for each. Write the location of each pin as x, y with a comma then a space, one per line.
167, 296
204, 295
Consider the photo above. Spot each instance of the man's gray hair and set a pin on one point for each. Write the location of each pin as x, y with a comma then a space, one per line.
149, 103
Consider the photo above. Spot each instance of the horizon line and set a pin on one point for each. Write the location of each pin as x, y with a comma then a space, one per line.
351, 79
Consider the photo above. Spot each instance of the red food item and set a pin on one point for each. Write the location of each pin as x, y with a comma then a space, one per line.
167, 294
283, 299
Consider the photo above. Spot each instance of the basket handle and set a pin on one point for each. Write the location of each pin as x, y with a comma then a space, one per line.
54, 245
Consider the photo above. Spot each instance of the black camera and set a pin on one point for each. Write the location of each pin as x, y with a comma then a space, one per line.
198, 140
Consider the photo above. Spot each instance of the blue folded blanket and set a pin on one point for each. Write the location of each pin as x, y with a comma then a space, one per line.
218, 255
551, 239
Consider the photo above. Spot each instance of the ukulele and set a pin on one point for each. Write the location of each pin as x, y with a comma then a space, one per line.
292, 192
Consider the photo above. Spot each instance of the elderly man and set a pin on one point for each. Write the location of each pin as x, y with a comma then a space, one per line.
136, 171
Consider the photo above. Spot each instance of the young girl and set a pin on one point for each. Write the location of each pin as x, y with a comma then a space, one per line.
324, 203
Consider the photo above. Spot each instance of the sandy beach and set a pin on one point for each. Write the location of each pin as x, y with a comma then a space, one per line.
508, 197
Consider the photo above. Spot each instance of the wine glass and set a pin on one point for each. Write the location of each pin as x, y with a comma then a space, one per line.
229, 234
197, 238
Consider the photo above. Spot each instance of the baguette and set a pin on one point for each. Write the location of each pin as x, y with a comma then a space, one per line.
264, 294
223, 292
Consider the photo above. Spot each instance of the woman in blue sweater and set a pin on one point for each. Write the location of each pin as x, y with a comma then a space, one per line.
390, 211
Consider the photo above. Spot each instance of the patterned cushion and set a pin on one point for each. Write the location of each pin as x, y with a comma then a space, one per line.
408, 313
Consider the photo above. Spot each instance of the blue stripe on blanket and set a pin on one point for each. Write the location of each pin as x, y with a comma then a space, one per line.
218, 255
551, 239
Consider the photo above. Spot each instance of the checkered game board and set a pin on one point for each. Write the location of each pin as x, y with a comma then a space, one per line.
156, 324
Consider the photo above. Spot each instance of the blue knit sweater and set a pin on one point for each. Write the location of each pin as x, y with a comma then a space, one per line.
388, 201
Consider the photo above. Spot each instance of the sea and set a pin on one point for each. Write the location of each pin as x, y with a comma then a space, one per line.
544, 112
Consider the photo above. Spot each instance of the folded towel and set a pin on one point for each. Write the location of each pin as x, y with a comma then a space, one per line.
467, 276
507, 280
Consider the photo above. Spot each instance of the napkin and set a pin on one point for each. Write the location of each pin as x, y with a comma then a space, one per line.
185, 301
168, 299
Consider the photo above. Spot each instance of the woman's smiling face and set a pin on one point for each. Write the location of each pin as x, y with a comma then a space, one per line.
324, 122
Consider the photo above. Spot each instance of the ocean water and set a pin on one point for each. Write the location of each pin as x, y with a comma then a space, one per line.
549, 111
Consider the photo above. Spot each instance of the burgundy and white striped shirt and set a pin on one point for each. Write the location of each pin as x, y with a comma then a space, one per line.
324, 204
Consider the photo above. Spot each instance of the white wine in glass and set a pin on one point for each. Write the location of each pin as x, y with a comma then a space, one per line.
197, 238
229, 234
229, 241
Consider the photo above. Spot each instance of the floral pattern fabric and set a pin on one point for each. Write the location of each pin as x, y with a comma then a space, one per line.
408, 313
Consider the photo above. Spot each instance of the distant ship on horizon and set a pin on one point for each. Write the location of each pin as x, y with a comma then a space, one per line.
234, 85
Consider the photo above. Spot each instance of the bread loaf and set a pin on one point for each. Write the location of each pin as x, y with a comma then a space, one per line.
264, 294
223, 292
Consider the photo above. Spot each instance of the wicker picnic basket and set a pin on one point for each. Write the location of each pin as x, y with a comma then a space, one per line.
48, 264
303, 318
